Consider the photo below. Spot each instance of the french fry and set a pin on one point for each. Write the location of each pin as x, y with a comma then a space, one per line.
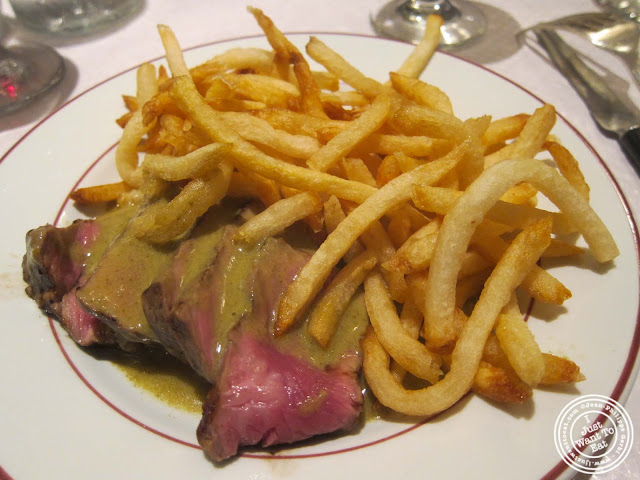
441, 200
500, 385
421, 92
286, 52
418, 120
417, 60
173, 52
255, 59
467, 353
247, 156
388, 170
460, 222
181, 213
412, 355
100, 193
334, 300
342, 69
531, 139
277, 217
259, 131
568, 166
299, 294
356, 170
195, 164
340, 145
504, 129
519, 345
559, 370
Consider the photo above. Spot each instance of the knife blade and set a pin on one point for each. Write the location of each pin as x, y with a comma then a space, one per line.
605, 106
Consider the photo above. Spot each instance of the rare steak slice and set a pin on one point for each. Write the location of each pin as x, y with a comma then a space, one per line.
272, 391
113, 292
266, 397
197, 254
58, 259
197, 320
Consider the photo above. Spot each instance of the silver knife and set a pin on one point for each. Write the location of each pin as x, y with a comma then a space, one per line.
607, 109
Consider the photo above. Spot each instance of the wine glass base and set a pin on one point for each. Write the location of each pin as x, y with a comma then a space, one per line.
27, 72
462, 22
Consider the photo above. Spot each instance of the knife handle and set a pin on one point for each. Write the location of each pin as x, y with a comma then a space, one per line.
630, 142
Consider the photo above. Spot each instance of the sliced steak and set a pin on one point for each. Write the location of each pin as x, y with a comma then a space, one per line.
265, 397
274, 391
198, 321
59, 259
195, 255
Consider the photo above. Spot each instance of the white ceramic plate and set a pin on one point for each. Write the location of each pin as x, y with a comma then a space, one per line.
66, 414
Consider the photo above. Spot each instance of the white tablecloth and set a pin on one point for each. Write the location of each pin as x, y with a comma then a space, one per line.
91, 60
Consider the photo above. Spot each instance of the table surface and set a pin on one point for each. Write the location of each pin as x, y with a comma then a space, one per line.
91, 59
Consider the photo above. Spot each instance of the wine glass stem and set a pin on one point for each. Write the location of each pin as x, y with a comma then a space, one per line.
418, 9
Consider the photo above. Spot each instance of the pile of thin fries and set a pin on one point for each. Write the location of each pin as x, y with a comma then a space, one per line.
436, 216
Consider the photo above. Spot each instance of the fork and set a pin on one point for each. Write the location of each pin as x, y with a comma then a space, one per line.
607, 31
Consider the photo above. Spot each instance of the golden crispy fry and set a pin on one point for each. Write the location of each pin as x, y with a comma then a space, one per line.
168, 222
416, 253
342, 69
500, 385
248, 157
99, 193
412, 355
416, 62
388, 170
399, 229
559, 370
521, 193
259, 131
460, 222
134, 130
405, 162
418, 120
356, 170
278, 216
568, 166
260, 88
539, 283
253, 59
504, 129
335, 298
419, 146
315, 220
467, 353
287, 53
195, 164
473, 164
421, 92
340, 145
333, 215
299, 294
519, 344
531, 138
352, 99
441, 200
173, 51
375, 238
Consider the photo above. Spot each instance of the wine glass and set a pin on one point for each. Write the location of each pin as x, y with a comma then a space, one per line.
27, 72
406, 19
